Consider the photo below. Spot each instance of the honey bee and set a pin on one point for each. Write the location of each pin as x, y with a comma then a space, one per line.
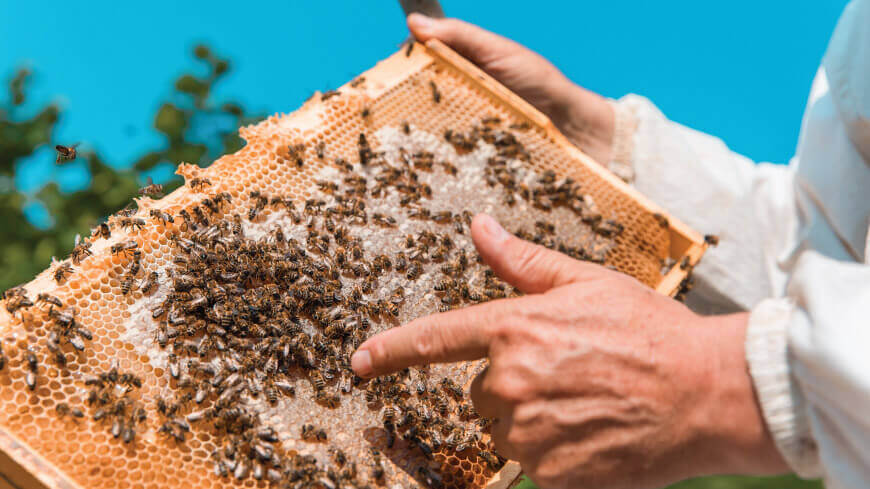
358, 81
491, 459
329, 94
388, 221
413, 272
711, 239
410, 47
127, 284
103, 231
521, 126
366, 112
436, 95
199, 183
685, 263
2, 356
452, 388
330, 401
311, 433
81, 251
63, 409
132, 222
125, 247
65, 153
149, 283
151, 189
17, 302
328, 187
662, 220
62, 272
163, 217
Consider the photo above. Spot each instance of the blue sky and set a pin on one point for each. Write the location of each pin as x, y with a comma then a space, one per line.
740, 69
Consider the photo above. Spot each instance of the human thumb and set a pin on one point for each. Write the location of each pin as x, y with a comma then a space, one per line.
529, 267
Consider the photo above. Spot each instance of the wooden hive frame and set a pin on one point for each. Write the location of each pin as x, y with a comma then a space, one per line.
22, 467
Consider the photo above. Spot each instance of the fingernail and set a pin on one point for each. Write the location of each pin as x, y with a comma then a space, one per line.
420, 21
361, 362
494, 229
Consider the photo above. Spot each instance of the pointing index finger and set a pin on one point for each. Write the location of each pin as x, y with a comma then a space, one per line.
462, 334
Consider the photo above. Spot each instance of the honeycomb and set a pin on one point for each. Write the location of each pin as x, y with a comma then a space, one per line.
465, 145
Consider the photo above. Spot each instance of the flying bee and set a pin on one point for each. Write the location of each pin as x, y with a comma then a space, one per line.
81, 251
711, 239
199, 183
62, 272
436, 94
65, 153
161, 216
151, 189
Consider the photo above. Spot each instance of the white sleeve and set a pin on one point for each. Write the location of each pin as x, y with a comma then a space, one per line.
696, 178
808, 355
808, 342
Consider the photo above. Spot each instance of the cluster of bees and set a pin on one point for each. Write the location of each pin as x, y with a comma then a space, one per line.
61, 325
246, 318
544, 192
110, 394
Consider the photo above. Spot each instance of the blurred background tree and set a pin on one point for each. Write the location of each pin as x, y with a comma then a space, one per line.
195, 129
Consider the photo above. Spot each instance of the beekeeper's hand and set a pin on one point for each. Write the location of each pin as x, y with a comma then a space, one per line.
584, 117
595, 379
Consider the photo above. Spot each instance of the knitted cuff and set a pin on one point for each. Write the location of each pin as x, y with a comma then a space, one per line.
623, 142
779, 396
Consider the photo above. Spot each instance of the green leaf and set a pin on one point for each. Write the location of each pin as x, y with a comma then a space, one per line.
171, 121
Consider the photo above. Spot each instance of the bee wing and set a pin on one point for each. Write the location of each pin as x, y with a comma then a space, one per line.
75, 145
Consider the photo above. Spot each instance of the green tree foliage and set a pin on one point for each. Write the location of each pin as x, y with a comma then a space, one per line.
196, 128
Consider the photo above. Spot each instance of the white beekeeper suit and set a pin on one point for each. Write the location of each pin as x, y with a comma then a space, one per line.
794, 251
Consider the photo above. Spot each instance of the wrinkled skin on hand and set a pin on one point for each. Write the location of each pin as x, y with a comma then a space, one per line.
595, 379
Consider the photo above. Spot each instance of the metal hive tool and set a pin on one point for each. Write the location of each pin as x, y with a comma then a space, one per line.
405, 107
